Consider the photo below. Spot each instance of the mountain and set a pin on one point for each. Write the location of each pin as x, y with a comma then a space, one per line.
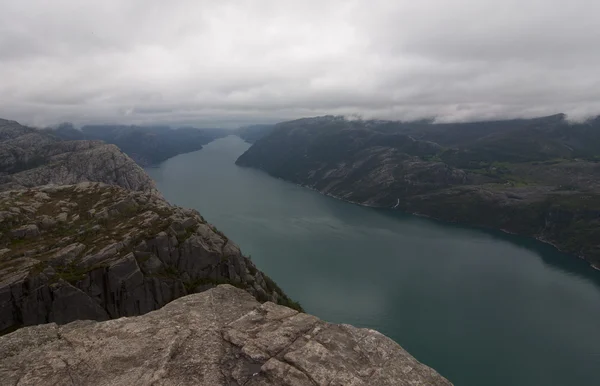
94, 251
30, 157
219, 337
85, 234
75, 253
253, 133
146, 145
536, 177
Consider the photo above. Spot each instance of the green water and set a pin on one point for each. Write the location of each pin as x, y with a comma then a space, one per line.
482, 308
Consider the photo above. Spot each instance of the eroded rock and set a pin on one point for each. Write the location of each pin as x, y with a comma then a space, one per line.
134, 254
209, 339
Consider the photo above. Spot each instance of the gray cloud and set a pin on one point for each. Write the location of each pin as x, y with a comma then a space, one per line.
230, 62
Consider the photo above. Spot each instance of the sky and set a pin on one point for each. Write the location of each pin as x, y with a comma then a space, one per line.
228, 63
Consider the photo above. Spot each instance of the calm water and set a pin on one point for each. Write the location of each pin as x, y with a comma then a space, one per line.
482, 308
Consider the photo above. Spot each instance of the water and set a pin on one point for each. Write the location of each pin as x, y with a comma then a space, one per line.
482, 308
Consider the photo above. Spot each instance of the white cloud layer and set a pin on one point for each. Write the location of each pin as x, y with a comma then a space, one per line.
232, 62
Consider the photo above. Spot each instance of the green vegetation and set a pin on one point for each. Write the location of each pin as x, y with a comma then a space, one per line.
171, 271
188, 233
284, 300
214, 229
73, 274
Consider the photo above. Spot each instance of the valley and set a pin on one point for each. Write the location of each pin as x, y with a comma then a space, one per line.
481, 307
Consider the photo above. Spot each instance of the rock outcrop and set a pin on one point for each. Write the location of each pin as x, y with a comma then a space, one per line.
219, 337
95, 251
30, 157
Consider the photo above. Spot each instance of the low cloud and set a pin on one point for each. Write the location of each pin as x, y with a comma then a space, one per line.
232, 62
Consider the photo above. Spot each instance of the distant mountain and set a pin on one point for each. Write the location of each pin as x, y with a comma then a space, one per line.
145, 144
538, 177
253, 133
30, 157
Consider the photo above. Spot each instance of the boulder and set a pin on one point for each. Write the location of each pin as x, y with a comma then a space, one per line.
26, 232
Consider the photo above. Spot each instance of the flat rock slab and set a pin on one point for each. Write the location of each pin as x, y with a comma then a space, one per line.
222, 336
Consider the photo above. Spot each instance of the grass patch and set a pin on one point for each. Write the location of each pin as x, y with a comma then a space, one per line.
284, 300
171, 271
188, 233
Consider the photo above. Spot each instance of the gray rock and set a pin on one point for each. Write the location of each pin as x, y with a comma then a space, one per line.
30, 157
46, 222
220, 337
41, 196
121, 267
70, 303
27, 232
68, 254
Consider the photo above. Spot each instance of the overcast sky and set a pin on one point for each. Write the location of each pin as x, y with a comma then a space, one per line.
232, 62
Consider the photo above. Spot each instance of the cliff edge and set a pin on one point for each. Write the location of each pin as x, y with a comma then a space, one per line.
222, 336
95, 251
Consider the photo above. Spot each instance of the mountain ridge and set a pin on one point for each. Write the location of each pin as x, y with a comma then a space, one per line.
146, 145
536, 177
31, 157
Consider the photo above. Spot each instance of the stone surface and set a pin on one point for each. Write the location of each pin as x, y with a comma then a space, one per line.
111, 252
30, 157
219, 337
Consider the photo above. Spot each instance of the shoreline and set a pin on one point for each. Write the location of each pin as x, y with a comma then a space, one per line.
506, 231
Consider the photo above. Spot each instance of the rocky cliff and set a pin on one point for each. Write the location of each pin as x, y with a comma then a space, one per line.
80, 260
538, 177
219, 337
30, 157
94, 251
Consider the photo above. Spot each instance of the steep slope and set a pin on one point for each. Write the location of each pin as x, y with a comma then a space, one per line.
146, 145
253, 133
351, 160
30, 157
94, 251
219, 337
527, 176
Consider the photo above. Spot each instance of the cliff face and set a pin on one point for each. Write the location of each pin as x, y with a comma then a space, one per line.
94, 251
219, 337
30, 157
503, 175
